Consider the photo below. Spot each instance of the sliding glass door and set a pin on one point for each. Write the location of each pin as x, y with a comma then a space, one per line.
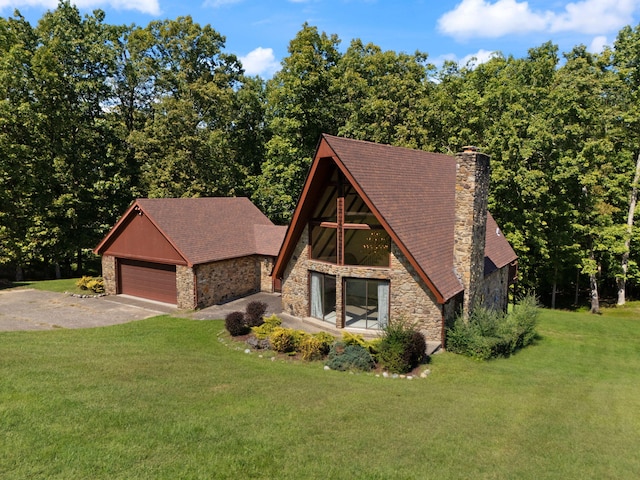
366, 303
323, 297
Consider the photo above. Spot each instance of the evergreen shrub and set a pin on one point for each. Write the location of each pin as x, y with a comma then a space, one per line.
285, 340
235, 324
402, 347
490, 334
254, 312
345, 357
263, 331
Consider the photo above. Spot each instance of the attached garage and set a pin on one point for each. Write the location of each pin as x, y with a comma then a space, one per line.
154, 281
190, 252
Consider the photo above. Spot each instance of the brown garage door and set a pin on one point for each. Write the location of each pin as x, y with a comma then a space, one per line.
154, 281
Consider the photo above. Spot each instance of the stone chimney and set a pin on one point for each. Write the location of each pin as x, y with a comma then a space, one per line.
472, 191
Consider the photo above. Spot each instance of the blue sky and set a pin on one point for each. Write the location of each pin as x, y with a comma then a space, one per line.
259, 31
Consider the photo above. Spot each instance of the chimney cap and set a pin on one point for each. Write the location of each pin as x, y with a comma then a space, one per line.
469, 149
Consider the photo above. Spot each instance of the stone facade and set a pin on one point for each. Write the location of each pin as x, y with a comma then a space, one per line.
225, 280
409, 297
496, 289
266, 281
472, 190
109, 274
186, 289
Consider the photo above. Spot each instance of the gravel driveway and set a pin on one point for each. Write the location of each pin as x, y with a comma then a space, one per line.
28, 309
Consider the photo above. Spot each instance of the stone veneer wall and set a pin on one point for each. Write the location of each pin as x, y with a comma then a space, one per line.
109, 274
266, 266
409, 297
186, 288
227, 279
496, 289
472, 190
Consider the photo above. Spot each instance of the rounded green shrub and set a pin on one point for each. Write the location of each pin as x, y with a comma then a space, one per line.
235, 324
402, 348
349, 357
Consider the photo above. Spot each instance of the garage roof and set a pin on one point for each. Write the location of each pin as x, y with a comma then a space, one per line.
202, 230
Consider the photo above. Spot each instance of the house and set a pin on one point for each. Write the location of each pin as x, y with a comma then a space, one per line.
383, 232
191, 252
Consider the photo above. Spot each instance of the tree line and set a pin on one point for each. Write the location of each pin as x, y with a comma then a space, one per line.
93, 115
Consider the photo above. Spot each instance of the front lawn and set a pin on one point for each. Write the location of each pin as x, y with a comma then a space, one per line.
163, 398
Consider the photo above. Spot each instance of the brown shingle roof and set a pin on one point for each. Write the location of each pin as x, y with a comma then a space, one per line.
498, 253
413, 194
210, 229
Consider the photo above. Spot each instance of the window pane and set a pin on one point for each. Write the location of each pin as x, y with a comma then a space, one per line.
323, 244
355, 210
323, 297
326, 209
366, 303
366, 247
329, 303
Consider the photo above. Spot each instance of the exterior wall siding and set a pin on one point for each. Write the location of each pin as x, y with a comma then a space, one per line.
409, 298
109, 274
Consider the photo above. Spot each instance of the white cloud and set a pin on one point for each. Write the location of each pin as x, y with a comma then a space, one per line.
486, 19
152, 7
474, 59
260, 61
594, 16
480, 18
597, 44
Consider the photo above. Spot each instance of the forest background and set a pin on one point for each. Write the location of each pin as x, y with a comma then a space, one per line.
94, 115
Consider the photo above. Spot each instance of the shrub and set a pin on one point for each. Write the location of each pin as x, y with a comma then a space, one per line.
490, 334
349, 357
235, 324
82, 282
402, 348
254, 313
311, 348
263, 331
326, 340
317, 346
285, 340
353, 339
96, 285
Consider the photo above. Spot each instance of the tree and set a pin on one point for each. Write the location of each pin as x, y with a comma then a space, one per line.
18, 141
184, 146
626, 60
384, 95
300, 107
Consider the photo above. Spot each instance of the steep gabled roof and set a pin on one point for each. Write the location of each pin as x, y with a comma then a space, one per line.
204, 230
411, 192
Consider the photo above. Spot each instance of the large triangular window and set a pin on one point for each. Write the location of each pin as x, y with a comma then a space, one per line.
343, 229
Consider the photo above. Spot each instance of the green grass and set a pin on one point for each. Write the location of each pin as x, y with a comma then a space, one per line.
163, 398
60, 286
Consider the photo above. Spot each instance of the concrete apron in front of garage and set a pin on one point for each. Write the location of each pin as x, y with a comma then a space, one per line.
28, 309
